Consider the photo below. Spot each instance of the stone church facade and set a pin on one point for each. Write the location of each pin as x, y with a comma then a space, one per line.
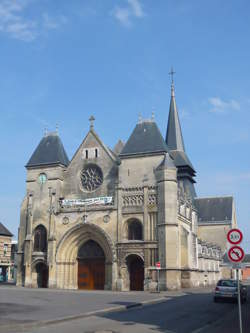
103, 219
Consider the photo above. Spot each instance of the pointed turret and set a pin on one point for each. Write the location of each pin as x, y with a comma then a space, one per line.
50, 151
174, 137
175, 143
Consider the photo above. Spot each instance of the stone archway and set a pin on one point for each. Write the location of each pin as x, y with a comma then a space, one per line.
67, 254
135, 266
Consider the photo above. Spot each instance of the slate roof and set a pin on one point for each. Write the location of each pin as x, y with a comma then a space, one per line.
181, 159
226, 260
145, 138
4, 231
212, 210
49, 151
174, 138
247, 258
118, 147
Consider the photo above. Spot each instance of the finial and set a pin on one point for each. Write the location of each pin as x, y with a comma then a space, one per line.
153, 113
140, 118
57, 128
171, 73
92, 119
45, 131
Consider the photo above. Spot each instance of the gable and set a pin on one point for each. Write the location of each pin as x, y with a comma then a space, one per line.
92, 154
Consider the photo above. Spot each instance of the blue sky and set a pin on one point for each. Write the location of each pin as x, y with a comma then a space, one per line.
62, 61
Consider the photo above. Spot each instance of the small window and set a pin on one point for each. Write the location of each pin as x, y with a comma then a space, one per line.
86, 154
42, 178
5, 249
134, 230
96, 152
40, 239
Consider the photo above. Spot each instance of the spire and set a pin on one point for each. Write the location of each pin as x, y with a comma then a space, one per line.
174, 139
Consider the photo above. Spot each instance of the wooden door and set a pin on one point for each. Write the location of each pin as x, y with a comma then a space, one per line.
136, 275
98, 271
85, 280
91, 274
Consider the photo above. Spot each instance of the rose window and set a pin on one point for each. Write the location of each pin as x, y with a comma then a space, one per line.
91, 177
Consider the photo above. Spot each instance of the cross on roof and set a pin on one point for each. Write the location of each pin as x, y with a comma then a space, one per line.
92, 119
172, 74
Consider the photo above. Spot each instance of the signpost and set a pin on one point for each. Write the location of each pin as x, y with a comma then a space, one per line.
234, 236
236, 255
158, 267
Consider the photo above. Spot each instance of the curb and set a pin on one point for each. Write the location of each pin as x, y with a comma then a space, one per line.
22, 327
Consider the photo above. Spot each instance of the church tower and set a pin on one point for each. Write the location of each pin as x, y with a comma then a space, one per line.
37, 232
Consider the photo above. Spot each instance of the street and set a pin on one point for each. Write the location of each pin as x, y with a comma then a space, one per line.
186, 311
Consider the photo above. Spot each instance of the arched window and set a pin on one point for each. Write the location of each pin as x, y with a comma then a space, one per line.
134, 230
40, 239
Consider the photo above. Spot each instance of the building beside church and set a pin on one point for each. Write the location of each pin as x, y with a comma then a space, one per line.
103, 219
6, 263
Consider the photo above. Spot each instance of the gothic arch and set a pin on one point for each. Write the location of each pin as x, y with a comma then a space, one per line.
40, 238
133, 229
67, 252
72, 240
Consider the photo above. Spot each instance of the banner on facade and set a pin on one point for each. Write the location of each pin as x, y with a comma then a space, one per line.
86, 202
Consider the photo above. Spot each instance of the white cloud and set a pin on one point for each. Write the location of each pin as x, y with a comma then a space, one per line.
136, 8
15, 23
125, 14
51, 23
220, 106
122, 15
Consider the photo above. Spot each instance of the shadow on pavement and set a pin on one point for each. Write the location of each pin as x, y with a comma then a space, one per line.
182, 314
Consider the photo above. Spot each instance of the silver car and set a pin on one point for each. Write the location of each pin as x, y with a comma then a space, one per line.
227, 289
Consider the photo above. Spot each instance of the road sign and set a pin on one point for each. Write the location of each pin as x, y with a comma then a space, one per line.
236, 254
234, 236
158, 265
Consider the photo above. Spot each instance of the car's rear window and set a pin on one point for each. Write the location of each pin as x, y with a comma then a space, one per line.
227, 283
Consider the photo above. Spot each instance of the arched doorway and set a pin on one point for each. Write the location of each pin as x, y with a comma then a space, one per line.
136, 272
91, 266
42, 275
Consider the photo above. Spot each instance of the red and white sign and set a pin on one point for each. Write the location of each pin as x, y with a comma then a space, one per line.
234, 236
236, 254
158, 265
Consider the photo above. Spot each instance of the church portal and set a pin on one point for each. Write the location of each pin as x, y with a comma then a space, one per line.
91, 266
136, 272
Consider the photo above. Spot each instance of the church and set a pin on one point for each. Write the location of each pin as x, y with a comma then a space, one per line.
108, 217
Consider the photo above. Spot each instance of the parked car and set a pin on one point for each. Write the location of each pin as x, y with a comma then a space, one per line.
228, 289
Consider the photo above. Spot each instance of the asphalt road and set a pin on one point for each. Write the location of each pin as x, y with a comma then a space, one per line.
190, 311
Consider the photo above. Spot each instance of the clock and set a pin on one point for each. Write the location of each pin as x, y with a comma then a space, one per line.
91, 177
42, 178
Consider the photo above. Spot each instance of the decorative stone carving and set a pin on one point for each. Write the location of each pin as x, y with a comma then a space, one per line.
106, 218
133, 200
65, 220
